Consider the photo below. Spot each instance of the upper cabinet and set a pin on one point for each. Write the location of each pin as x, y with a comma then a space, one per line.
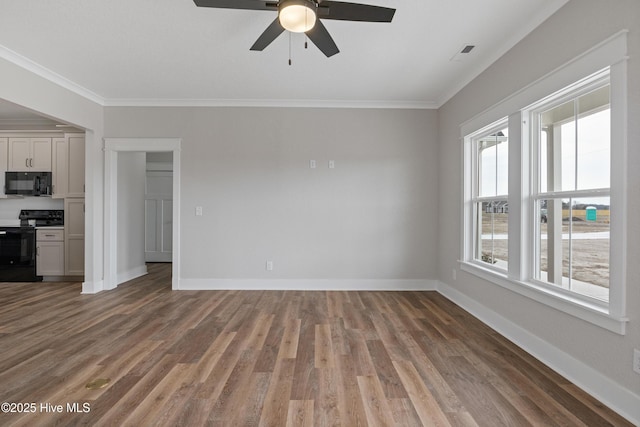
29, 154
68, 166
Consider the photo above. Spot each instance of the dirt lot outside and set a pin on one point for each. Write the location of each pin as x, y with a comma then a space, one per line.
590, 256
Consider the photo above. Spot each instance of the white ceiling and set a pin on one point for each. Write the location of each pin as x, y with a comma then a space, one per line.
170, 52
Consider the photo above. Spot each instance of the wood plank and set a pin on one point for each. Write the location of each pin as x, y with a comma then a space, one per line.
375, 403
300, 413
423, 401
289, 344
323, 347
277, 398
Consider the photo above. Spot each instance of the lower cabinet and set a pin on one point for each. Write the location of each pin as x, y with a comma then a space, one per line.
74, 236
50, 252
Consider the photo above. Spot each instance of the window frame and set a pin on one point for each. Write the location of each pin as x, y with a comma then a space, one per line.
608, 57
573, 92
476, 198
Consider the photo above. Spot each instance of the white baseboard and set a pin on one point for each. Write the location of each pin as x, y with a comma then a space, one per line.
623, 401
309, 284
89, 287
131, 274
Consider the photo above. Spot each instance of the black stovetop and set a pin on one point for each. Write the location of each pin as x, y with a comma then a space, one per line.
42, 217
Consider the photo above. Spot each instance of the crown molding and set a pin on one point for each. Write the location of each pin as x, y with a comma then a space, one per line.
49, 75
37, 69
293, 103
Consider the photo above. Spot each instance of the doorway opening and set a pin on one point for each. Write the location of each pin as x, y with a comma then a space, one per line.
158, 207
116, 150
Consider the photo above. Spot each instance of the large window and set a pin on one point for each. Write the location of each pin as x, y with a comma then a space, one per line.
544, 210
572, 145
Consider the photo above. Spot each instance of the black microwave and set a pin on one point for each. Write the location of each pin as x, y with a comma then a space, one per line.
28, 183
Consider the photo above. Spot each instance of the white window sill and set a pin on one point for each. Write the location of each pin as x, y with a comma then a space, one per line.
589, 312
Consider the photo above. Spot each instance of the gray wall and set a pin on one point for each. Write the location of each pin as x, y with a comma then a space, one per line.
372, 217
575, 28
131, 219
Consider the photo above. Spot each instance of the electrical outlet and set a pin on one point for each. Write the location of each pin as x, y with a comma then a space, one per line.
269, 266
332, 164
636, 361
312, 164
198, 210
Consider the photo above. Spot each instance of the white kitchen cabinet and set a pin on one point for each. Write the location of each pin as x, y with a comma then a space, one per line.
74, 236
60, 168
68, 166
4, 161
29, 154
76, 165
50, 252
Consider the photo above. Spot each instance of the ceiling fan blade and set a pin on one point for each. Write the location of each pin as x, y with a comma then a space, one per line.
322, 39
269, 35
238, 4
354, 12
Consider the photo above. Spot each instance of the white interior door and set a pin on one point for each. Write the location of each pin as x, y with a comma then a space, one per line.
159, 216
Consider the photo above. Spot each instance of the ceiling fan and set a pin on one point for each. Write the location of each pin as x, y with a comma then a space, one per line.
303, 16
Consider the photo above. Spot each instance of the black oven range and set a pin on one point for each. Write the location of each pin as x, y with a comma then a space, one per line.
18, 244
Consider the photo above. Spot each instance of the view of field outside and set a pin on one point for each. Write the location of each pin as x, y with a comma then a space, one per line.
590, 244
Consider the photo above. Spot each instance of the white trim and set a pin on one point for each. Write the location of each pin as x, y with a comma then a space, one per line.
92, 287
112, 146
623, 401
310, 284
132, 273
618, 218
564, 302
294, 103
602, 55
49, 75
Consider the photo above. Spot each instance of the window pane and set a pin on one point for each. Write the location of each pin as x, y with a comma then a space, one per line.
575, 144
493, 164
573, 245
493, 237
590, 247
487, 168
557, 148
568, 157
594, 140
543, 159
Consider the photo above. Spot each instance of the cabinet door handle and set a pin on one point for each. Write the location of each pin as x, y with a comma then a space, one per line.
31, 162
37, 250
26, 162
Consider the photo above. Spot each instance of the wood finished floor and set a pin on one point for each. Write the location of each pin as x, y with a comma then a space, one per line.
272, 358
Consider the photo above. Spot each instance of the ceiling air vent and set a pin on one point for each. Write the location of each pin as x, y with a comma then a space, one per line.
462, 52
468, 48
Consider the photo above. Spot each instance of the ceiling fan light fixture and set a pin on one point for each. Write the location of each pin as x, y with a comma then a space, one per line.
297, 16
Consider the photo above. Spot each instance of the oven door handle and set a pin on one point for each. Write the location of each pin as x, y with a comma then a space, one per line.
3, 232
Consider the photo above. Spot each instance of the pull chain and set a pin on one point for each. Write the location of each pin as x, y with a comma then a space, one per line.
289, 47
306, 15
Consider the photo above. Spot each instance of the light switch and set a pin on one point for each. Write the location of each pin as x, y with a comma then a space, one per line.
332, 164
312, 164
198, 210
